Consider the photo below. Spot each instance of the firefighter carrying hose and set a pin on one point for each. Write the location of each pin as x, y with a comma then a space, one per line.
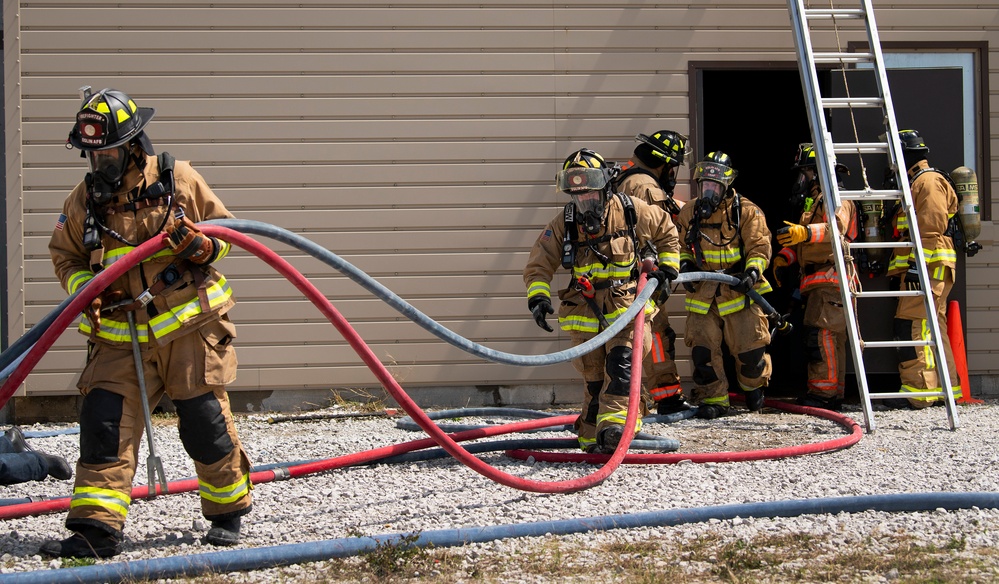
807, 244
722, 231
599, 237
179, 303
650, 175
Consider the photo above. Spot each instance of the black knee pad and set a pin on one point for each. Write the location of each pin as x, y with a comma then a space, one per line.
903, 332
593, 387
812, 352
703, 373
100, 427
753, 362
202, 428
618, 366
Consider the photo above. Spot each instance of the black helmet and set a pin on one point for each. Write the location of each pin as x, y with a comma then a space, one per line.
109, 118
805, 158
664, 147
912, 142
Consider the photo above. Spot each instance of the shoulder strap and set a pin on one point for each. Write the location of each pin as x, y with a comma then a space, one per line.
569, 237
164, 185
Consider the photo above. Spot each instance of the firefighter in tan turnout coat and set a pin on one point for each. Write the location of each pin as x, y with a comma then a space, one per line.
808, 244
179, 303
599, 237
722, 231
650, 175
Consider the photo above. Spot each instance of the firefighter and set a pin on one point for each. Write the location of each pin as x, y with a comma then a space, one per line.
599, 237
935, 203
722, 231
179, 303
807, 244
650, 175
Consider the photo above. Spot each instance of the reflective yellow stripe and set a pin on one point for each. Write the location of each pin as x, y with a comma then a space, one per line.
722, 257
585, 443
671, 260
716, 401
694, 305
757, 263
78, 279
226, 494
539, 288
224, 247
598, 271
106, 498
590, 324
619, 418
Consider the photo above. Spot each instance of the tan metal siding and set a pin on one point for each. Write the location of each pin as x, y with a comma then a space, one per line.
417, 142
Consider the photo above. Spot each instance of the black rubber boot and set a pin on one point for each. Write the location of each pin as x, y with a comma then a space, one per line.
671, 405
711, 411
754, 400
813, 401
608, 439
224, 533
86, 542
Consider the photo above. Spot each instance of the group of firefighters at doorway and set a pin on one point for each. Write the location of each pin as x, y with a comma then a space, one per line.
621, 214
162, 327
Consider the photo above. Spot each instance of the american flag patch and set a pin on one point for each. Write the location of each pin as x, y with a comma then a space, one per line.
545, 236
61, 221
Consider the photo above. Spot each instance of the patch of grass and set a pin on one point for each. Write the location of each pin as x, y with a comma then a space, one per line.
360, 400
76, 562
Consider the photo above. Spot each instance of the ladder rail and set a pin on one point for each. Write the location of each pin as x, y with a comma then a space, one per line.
825, 158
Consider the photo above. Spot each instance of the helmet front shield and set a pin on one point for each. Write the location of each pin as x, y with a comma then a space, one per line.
579, 180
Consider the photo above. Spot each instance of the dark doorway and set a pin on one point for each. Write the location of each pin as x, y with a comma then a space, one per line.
761, 134
758, 117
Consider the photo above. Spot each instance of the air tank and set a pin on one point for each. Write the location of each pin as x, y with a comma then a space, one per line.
966, 184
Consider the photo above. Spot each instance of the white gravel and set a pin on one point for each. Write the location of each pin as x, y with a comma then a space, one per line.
911, 452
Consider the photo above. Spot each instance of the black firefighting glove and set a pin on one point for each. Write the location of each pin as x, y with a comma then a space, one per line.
541, 307
687, 267
189, 243
912, 278
747, 280
665, 277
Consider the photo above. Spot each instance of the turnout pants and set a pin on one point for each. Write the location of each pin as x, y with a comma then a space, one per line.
606, 383
192, 370
660, 377
745, 333
917, 366
825, 342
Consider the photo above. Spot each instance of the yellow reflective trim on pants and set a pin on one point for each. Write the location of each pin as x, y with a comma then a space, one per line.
585, 443
618, 418
716, 401
223, 495
105, 498
696, 306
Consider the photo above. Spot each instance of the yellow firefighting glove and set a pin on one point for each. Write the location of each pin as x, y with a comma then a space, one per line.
793, 234
780, 270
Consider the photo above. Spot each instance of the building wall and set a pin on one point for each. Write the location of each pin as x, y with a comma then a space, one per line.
418, 143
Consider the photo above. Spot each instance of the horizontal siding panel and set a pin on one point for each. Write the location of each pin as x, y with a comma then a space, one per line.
152, 87
165, 132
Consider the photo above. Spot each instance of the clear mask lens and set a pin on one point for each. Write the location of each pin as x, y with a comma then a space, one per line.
711, 191
108, 164
589, 202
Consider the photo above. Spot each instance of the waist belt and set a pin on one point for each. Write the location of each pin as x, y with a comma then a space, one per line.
170, 277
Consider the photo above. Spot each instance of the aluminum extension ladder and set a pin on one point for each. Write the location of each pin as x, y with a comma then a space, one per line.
824, 20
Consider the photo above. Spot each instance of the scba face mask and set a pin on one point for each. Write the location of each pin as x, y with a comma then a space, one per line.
107, 169
711, 194
587, 188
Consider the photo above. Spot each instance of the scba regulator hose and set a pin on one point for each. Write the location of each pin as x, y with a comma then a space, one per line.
318, 551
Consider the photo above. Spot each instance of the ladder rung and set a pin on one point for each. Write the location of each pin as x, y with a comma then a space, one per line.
843, 57
824, 13
848, 102
879, 244
887, 293
918, 394
870, 195
861, 148
896, 344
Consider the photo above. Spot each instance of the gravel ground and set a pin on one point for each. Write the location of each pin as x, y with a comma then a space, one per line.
911, 452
